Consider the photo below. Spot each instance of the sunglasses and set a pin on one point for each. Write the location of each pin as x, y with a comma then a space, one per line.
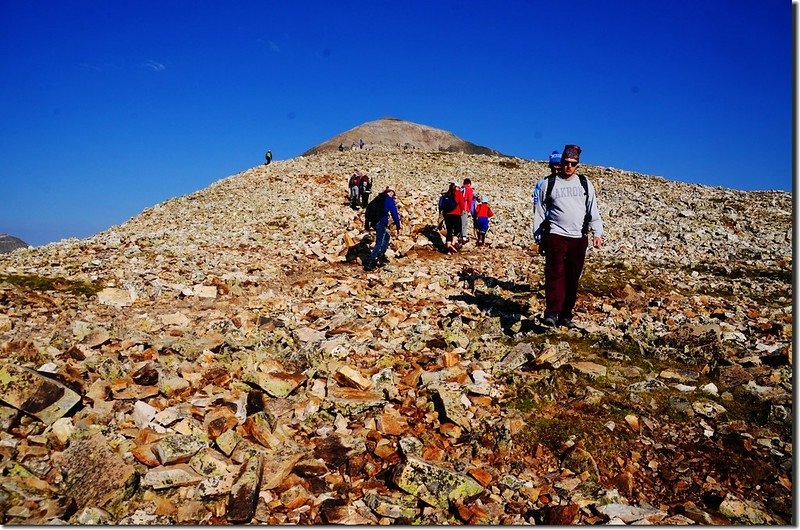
567, 163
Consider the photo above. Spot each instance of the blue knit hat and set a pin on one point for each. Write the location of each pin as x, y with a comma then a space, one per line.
555, 158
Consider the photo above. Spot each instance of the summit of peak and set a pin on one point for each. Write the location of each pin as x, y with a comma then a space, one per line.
390, 132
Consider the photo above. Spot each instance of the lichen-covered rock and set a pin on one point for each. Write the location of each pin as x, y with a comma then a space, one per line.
244, 492
177, 448
451, 398
514, 359
745, 512
394, 507
277, 384
163, 477
95, 475
554, 356
434, 484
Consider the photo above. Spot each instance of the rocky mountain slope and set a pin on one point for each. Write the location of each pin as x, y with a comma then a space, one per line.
393, 133
223, 358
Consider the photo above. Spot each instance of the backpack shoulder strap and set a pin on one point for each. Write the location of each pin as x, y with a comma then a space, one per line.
587, 217
548, 196
585, 184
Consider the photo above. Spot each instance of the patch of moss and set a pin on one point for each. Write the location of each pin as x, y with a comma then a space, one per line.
765, 285
740, 270
744, 406
524, 402
35, 282
586, 424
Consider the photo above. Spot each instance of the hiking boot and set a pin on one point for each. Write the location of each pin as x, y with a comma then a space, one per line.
567, 323
370, 266
383, 260
549, 322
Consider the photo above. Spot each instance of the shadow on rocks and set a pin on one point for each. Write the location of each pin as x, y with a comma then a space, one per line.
509, 311
360, 250
470, 277
435, 238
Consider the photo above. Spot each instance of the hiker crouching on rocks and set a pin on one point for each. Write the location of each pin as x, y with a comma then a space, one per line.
382, 236
565, 211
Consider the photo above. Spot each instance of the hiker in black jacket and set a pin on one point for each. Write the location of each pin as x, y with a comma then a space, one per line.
365, 188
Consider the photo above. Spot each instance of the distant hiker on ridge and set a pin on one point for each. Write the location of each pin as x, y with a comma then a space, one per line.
268, 157
565, 211
377, 216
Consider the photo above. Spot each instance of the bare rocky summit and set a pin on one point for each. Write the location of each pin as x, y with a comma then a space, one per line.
392, 133
223, 358
10, 243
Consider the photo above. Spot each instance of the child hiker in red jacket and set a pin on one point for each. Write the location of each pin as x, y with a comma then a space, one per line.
482, 214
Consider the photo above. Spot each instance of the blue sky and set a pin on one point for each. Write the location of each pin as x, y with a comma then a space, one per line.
109, 108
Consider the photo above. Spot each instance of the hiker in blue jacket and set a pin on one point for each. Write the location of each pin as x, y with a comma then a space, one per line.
382, 236
555, 167
565, 213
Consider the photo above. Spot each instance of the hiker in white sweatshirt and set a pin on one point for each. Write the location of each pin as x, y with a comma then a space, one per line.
561, 227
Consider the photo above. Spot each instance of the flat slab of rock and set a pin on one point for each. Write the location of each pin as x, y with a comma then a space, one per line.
518, 356
451, 400
353, 401
276, 468
309, 335
743, 512
555, 356
35, 394
394, 507
343, 515
276, 384
593, 370
709, 409
434, 484
204, 291
351, 377
95, 475
177, 448
114, 297
163, 477
630, 514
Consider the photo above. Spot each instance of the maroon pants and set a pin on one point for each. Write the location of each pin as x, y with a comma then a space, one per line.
563, 265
